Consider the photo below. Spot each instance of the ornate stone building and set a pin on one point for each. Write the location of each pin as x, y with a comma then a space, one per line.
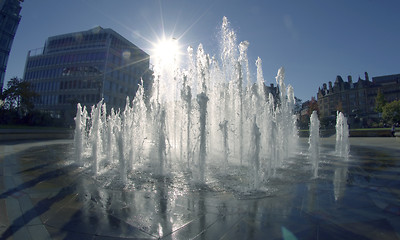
356, 99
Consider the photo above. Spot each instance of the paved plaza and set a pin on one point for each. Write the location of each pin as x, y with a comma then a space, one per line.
44, 195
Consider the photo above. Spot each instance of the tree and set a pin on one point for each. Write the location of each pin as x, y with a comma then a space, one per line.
18, 96
391, 112
339, 106
312, 106
297, 105
379, 101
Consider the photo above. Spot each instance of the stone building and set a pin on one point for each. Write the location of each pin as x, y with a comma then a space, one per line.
356, 99
9, 20
85, 67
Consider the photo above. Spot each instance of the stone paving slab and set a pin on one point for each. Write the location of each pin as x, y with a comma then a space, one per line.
42, 197
38, 232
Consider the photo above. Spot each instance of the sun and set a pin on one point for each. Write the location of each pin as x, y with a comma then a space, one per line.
166, 52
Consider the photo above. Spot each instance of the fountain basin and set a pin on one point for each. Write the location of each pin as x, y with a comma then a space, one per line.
354, 199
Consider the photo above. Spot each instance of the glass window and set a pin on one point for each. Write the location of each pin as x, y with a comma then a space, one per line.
106, 85
78, 57
102, 56
72, 58
81, 57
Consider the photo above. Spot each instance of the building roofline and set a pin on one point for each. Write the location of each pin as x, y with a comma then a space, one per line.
385, 78
94, 30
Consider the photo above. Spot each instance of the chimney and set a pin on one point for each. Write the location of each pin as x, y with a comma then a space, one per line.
338, 79
366, 77
349, 79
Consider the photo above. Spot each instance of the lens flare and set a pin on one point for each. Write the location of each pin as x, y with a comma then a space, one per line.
166, 52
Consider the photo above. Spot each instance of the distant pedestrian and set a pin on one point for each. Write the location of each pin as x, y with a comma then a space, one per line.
393, 130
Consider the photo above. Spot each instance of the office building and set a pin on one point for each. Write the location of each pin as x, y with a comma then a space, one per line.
9, 20
85, 67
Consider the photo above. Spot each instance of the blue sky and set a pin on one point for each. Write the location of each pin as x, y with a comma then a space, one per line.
313, 40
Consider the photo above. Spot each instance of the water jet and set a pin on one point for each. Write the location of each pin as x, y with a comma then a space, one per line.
209, 119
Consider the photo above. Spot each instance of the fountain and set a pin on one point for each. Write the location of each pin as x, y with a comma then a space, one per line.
313, 141
342, 146
200, 123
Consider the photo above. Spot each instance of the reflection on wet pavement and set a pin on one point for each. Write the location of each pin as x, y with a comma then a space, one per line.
43, 194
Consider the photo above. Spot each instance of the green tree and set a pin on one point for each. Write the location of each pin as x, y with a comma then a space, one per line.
379, 101
339, 106
297, 105
391, 112
18, 96
312, 106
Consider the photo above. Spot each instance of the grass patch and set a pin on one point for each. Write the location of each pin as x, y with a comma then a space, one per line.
372, 129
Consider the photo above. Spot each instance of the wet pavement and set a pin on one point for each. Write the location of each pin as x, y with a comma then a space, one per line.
43, 195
